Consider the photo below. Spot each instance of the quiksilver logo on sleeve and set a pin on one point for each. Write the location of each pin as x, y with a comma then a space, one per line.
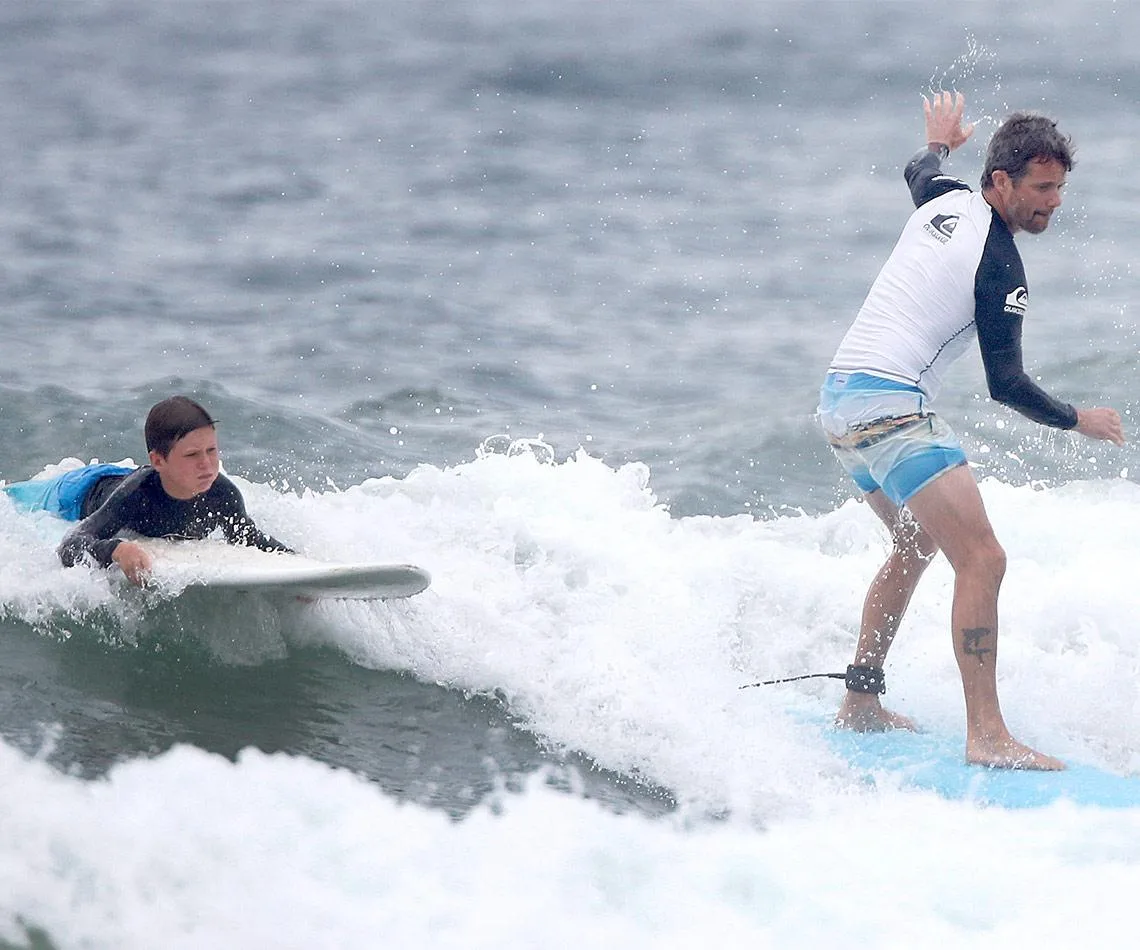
941, 227
1017, 302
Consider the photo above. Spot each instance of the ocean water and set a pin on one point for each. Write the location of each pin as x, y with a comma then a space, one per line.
617, 241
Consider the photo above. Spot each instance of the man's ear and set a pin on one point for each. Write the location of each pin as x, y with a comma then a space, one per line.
157, 459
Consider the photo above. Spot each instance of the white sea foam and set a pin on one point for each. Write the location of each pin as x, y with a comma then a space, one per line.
614, 629
190, 850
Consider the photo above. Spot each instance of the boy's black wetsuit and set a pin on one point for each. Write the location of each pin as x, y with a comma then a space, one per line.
137, 502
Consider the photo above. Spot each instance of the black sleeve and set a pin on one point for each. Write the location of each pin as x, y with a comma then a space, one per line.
237, 525
924, 177
1001, 298
94, 536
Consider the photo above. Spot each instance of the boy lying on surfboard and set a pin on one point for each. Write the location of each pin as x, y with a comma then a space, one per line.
180, 494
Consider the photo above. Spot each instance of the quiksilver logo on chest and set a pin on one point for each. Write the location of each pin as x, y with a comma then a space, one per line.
941, 227
1017, 302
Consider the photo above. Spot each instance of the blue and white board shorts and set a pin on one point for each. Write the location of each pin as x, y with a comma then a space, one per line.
883, 435
62, 495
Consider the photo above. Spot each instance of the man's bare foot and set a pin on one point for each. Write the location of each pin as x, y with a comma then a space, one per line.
1008, 753
862, 712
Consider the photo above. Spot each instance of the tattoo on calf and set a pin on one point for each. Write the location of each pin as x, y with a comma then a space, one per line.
972, 642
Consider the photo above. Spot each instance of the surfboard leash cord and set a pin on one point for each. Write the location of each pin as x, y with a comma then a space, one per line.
859, 679
793, 679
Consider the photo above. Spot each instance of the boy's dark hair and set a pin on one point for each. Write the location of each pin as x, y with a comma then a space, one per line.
170, 420
1022, 138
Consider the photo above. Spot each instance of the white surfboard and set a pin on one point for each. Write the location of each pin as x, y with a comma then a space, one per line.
216, 565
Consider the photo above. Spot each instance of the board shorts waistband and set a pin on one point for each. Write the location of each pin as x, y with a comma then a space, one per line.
868, 433
884, 435
849, 402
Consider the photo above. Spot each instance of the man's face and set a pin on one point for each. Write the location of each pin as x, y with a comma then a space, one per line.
1030, 202
191, 466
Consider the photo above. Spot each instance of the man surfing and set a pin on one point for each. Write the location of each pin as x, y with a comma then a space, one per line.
955, 276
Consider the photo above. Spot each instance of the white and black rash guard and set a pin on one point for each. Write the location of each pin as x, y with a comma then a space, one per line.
955, 274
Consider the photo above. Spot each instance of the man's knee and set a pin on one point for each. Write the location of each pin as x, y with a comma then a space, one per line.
985, 557
995, 559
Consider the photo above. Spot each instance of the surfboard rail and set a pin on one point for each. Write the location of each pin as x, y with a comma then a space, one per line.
216, 565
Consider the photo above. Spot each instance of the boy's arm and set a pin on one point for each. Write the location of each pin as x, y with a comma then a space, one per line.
94, 536
239, 527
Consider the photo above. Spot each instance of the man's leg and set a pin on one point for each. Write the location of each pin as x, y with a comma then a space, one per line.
912, 549
951, 511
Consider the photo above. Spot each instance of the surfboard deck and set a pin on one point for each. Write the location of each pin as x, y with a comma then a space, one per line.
937, 763
215, 565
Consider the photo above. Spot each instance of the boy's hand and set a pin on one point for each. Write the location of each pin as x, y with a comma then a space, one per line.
134, 561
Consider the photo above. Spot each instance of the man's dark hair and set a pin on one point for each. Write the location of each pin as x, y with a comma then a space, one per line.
1023, 138
170, 420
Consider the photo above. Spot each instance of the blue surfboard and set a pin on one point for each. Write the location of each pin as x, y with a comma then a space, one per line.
937, 763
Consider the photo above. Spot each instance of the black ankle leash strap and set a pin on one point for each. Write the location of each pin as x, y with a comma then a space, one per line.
865, 679
858, 679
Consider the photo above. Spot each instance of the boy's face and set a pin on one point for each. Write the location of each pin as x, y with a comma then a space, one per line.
191, 466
